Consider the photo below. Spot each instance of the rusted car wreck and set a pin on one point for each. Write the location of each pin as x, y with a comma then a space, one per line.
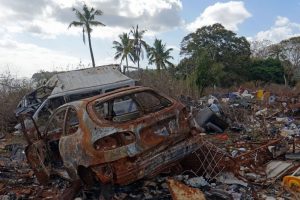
115, 138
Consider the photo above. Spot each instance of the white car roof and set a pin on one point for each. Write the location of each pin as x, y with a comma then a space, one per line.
86, 78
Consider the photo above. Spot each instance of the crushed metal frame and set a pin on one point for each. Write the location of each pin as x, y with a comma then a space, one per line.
148, 155
210, 160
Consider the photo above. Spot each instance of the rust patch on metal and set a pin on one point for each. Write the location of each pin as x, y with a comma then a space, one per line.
122, 152
180, 191
36, 155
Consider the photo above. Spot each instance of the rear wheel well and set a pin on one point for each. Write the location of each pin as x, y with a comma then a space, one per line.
86, 174
88, 177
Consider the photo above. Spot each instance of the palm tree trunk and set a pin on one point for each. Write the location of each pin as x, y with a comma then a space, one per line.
126, 64
158, 70
120, 66
139, 55
91, 50
138, 59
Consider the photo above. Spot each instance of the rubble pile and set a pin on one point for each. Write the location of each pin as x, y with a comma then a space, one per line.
17, 180
259, 147
249, 149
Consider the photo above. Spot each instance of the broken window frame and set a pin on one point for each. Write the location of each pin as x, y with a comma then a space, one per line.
101, 118
67, 110
86, 94
54, 117
66, 122
46, 110
115, 117
155, 95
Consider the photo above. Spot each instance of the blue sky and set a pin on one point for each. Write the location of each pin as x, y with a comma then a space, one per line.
34, 36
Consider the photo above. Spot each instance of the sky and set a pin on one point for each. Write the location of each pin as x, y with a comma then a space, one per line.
34, 34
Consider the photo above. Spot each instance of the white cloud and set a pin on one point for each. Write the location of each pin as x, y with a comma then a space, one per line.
155, 15
229, 14
25, 59
50, 18
282, 21
138, 8
108, 32
282, 29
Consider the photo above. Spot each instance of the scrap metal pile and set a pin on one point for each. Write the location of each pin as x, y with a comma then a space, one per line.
17, 180
259, 149
233, 146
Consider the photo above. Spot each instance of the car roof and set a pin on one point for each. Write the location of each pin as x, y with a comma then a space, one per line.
85, 78
120, 91
114, 93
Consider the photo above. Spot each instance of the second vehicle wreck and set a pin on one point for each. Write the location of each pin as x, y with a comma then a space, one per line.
117, 137
70, 86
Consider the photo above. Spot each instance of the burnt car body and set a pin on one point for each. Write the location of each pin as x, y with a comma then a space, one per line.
117, 137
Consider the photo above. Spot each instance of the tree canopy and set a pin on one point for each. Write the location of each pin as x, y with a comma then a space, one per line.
139, 45
124, 49
86, 19
267, 70
207, 72
222, 46
160, 55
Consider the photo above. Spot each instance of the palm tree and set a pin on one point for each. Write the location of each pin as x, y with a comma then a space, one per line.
86, 19
159, 55
138, 43
124, 48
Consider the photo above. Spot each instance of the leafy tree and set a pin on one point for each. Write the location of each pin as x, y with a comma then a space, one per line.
86, 19
267, 70
220, 43
185, 67
124, 49
275, 51
138, 43
260, 49
291, 51
290, 56
207, 72
159, 55
223, 46
289, 72
288, 52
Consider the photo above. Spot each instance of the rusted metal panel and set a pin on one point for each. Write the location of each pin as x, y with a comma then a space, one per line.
71, 191
36, 154
180, 191
123, 152
127, 170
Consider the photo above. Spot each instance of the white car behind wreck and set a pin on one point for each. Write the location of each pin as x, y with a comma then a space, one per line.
70, 86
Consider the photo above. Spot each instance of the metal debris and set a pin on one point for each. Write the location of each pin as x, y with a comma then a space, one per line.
130, 156
117, 138
180, 191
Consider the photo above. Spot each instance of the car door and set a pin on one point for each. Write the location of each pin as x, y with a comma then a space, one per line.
42, 154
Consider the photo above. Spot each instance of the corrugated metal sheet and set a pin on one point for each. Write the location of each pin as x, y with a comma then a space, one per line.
85, 78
